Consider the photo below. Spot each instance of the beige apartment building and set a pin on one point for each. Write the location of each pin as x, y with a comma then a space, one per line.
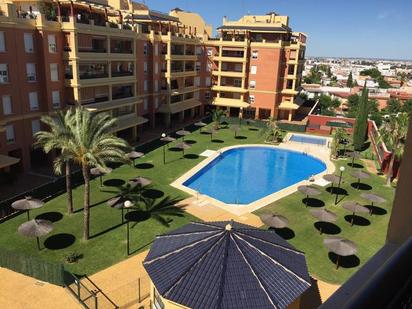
148, 69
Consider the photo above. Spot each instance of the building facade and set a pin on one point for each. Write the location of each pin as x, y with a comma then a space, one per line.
148, 69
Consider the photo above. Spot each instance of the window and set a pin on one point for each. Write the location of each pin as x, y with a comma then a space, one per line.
145, 67
210, 52
156, 85
156, 48
7, 108
196, 95
145, 86
209, 67
289, 84
35, 126
56, 98
145, 104
208, 81
207, 95
28, 43
156, 67
199, 50
197, 66
31, 72
253, 69
10, 134
145, 49
34, 101
4, 73
237, 83
157, 102
197, 81
2, 42
52, 43
252, 84
251, 99
291, 69
292, 55
255, 54
54, 72
238, 67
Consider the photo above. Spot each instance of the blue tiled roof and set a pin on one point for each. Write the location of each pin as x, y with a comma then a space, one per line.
205, 265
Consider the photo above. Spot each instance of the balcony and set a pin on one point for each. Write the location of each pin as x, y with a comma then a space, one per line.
122, 92
228, 73
121, 46
122, 73
230, 102
229, 88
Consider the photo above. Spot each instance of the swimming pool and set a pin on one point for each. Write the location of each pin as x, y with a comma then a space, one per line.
308, 139
244, 175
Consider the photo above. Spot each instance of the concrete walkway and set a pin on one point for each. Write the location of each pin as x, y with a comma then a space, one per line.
18, 291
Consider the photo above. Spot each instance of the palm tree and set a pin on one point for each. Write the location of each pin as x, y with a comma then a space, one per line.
57, 139
393, 133
93, 145
217, 116
338, 136
272, 132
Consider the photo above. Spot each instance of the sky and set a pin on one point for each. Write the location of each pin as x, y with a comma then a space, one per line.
335, 28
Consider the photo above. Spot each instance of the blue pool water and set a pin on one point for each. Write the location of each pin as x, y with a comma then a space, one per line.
307, 139
246, 174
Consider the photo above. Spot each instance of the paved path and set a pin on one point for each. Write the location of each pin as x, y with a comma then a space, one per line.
18, 291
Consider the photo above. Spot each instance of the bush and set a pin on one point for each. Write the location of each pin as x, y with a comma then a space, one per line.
294, 127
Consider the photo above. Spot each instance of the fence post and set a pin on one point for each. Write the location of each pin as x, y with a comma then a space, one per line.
78, 289
96, 305
138, 289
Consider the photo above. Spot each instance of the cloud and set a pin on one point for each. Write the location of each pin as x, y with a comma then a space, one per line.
383, 15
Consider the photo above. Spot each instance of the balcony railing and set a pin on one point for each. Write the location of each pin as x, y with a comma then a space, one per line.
122, 73
122, 95
92, 50
89, 75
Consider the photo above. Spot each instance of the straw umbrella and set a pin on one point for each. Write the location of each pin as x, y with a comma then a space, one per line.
200, 125
183, 146
166, 139
211, 131
359, 174
96, 171
117, 202
332, 178
134, 155
139, 182
340, 246
27, 204
275, 221
308, 191
182, 133
235, 129
36, 228
354, 155
354, 207
373, 198
323, 215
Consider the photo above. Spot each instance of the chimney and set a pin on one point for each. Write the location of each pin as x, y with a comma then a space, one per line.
224, 20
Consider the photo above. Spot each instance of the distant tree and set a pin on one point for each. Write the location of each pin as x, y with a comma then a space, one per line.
314, 76
353, 103
272, 132
407, 107
403, 77
217, 116
361, 126
329, 72
377, 77
393, 133
338, 136
393, 106
349, 82
328, 105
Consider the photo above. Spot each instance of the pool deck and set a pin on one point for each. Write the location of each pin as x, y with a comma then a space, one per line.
321, 152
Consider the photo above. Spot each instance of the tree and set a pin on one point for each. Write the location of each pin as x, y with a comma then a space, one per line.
57, 138
338, 136
217, 116
328, 105
93, 145
314, 76
393, 133
407, 107
349, 82
361, 125
393, 106
272, 132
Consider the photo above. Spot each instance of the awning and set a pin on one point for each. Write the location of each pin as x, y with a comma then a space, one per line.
6, 161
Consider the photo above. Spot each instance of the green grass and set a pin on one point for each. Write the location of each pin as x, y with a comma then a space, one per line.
109, 246
369, 238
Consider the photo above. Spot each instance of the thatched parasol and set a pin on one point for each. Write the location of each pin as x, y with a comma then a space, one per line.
359, 174
275, 221
182, 133
332, 178
98, 172
183, 146
36, 228
354, 155
200, 125
27, 204
134, 155
323, 215
340, 246
354, 207
373, 198
308, 191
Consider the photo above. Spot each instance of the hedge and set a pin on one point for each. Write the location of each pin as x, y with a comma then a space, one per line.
32, 266
295, 127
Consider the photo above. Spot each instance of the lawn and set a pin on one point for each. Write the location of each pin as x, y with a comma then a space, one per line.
369, 233
107, 245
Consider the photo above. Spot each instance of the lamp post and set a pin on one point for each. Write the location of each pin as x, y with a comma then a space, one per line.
164, 149
342, 169
127, 204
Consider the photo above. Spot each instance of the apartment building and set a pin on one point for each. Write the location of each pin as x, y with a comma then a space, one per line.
148, 69
257, 65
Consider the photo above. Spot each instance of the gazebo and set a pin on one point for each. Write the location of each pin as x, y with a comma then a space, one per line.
225, 265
